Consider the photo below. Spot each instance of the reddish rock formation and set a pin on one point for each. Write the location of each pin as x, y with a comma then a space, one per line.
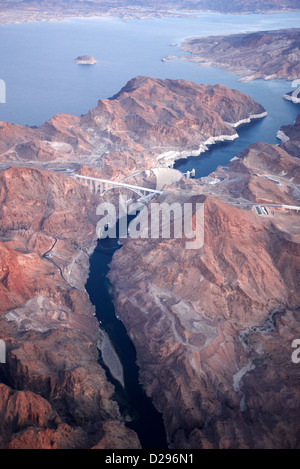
161, 120
54, 393
149, 122
213, 327
184, 310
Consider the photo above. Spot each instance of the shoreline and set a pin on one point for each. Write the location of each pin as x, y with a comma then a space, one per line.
49, 17
247, 120
110, 357
169, 157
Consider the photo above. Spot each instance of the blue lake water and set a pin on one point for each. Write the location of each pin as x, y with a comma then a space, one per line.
36, 62
42, 79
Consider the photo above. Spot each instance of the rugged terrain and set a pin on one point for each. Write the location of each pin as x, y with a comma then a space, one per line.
213, 327
264, 54
45, 10
149, 122
184, 310
53, 392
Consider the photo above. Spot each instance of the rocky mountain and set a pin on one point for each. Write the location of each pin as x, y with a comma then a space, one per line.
213, 327
53, 392
263, 54
149, 122
37, 10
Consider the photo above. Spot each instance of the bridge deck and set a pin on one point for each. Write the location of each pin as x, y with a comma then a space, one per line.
121, 184
155, 191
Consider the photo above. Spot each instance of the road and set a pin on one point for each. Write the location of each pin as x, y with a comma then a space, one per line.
45, 256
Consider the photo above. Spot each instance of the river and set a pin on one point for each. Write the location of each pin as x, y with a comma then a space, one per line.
37, 64
134, 404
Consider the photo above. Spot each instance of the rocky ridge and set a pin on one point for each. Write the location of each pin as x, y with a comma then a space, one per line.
264, 54
47, 320
213, 327
46, 10
149, 122
54, 393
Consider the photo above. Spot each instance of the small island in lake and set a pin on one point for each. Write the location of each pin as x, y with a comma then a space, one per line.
85, 60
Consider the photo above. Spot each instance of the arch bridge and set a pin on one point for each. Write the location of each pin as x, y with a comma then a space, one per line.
101, 186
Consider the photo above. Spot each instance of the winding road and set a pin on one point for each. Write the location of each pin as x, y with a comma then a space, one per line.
45, 256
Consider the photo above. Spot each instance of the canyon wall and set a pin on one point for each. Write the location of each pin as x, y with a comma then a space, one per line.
213, 327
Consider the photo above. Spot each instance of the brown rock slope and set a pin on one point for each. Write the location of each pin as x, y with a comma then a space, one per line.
47, 232
149, 122
214, 327
53, 392
166, 119
185, 321
263, 54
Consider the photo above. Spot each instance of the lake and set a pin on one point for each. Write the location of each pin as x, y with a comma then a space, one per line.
42, 80
37, 64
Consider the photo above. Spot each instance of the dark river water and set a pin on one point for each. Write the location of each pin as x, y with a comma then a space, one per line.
37, 65
133, 402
